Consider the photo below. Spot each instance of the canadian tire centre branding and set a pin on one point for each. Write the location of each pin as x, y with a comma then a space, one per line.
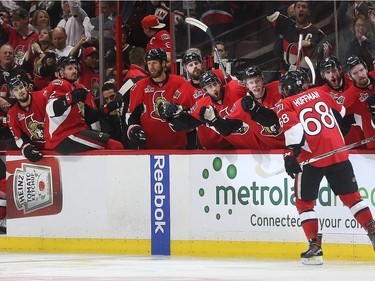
33, 189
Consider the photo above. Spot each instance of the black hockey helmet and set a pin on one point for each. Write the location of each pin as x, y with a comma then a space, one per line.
156, 54
14, 82
64, 61
327, 63
208, 78
305, 75
353, 61
291, 83
189, 57
249, 72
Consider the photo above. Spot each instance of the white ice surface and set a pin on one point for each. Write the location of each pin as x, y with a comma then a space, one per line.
31, 267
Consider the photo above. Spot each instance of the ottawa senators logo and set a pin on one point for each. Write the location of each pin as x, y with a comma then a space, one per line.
35, 128
157, 98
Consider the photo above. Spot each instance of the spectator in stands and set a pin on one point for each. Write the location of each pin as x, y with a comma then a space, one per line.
146, 128
5, 17
90, 70
35, 55
62, 48
19, 34
314, 44
159, 38
65, 128
9, 69
110, 54
363, 43
107, 8
40, 20
75, 22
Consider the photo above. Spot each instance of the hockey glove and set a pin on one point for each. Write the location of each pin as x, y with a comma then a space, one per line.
111, 106
371, 103
248, 103
208, 114
31, 152
168, 110
78, 95
291, 164
136, 135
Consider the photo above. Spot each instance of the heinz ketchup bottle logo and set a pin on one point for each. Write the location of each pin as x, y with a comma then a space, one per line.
33, 188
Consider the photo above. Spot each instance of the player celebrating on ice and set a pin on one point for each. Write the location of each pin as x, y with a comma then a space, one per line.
310, 128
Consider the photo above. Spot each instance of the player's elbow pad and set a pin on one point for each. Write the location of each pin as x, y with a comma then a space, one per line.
60, 106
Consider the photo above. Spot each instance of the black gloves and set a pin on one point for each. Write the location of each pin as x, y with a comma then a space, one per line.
113, 105
136, 135
371, 103
78, 95
208, 114
168, 110
31, 152
248, 103
291, 164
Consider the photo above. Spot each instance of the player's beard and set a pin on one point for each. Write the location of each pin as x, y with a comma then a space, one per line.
155, 73
24, 98
195, 74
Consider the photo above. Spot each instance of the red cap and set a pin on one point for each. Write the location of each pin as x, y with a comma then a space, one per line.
89, 51
151, 21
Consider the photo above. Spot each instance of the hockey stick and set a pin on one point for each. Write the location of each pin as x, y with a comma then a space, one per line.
293, 67
300, 37
259, 170
204, 28
312, 69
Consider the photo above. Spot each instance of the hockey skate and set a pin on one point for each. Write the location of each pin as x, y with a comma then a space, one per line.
314, 254
371, 232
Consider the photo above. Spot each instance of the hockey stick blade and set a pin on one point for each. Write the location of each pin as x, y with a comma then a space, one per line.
259, 170
126, 87
299, 50
312, 69
204, 28
196, 23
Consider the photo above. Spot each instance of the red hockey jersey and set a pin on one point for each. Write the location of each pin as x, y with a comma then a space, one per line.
309, 115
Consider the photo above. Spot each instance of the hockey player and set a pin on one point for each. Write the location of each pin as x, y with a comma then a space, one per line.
251, 123
336, 83
146, 128
360, 96
65, 128
26, 119
220, 97
310, 128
